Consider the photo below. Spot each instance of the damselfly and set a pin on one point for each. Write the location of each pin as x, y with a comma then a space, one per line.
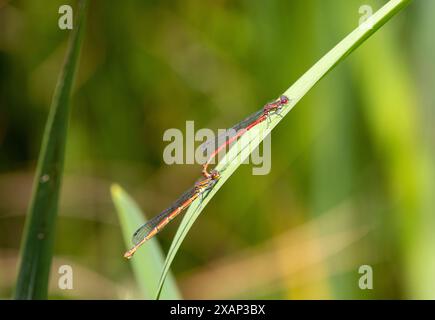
153, 226
242, 127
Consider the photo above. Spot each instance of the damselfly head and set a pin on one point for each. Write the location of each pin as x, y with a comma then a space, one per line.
215, 175
283, 100
276, 105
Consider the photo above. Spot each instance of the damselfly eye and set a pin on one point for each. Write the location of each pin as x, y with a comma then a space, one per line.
215, 174
283, 99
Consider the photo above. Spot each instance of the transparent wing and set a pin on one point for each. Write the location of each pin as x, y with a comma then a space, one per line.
212, 144
144, 230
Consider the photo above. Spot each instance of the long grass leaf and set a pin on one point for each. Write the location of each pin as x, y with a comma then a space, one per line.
39, 231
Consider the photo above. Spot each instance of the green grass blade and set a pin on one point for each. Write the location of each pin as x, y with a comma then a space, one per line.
39, 232
249, 141
148, 261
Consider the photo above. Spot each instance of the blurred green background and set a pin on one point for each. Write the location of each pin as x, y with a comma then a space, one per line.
353, 165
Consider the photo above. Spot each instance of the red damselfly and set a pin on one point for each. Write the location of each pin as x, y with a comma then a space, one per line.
153, 226
242, 127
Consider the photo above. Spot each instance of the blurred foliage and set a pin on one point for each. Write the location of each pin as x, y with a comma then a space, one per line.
148, 262
352, 175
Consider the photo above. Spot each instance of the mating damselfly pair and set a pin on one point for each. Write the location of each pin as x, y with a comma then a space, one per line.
209, 179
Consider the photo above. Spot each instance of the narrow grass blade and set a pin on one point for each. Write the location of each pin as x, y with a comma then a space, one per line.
39, 232
248, 142
148, 261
